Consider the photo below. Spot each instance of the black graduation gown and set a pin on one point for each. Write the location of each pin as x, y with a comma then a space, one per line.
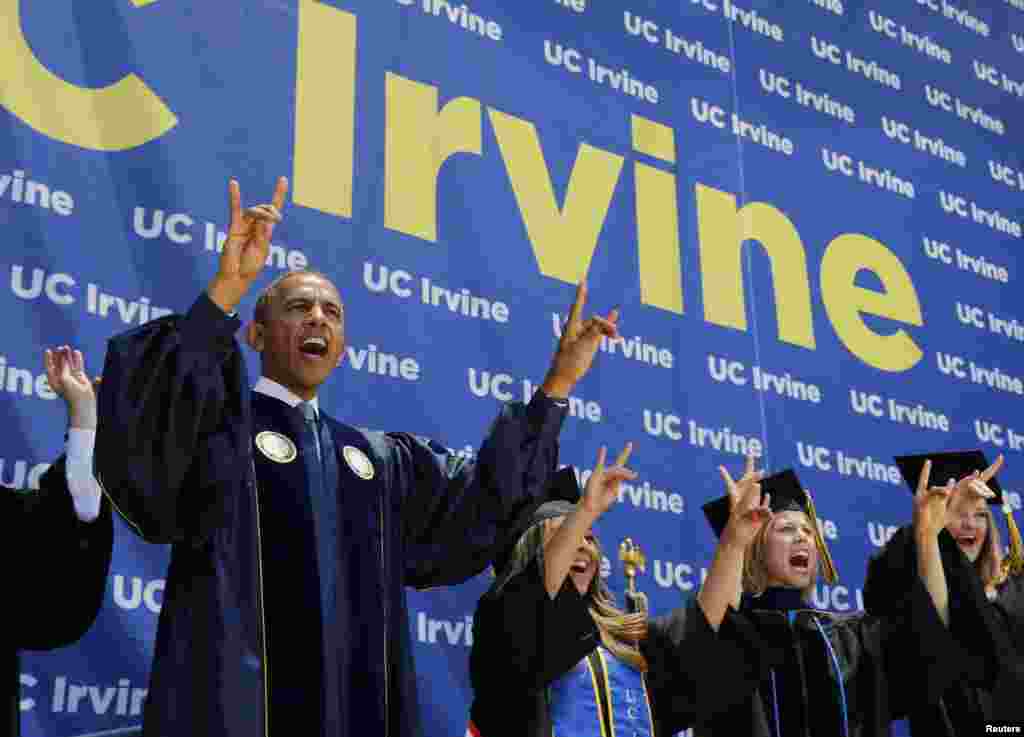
984, 684
881, 660
43, 542
176, 402
523, 640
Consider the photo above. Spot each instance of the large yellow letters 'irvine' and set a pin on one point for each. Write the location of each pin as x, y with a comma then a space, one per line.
845, 301
325, 109
120, 116
723, 229
421, 135
563, 238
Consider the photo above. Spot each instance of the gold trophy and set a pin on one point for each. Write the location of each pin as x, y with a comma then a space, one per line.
633, 560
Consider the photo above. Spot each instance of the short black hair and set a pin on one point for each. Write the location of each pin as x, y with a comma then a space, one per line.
270, 291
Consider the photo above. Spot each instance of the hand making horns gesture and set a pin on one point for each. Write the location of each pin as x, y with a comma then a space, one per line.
602, 488
748, 511
247, 245
977, 483
577, 346
930, 503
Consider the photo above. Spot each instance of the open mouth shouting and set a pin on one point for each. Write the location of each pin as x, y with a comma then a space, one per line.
580, 565
968, 541
582, 571
800, 560
314, 346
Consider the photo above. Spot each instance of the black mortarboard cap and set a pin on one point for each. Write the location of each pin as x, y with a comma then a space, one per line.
786, 495
947, 465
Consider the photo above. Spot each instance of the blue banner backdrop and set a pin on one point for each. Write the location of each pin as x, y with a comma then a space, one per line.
806, 210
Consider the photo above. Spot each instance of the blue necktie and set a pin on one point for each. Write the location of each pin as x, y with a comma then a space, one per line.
324, 515
323, 489
309, 412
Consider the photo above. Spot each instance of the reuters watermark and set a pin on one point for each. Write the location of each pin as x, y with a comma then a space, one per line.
1003, 728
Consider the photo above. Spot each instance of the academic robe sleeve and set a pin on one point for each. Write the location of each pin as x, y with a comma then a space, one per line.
173, 430
57, 564
696, 673
523, 639
672, 649
1011, 601
455, 512
919, 650
916, 655
1007, 704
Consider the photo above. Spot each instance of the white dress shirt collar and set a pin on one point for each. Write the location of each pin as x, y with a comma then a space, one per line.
270, 388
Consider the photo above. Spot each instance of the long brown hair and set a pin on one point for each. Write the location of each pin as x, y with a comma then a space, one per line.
989, 563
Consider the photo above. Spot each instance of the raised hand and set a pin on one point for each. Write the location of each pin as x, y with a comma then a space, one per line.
601, 491
577, 346
930, 504
748, 511
748, 514
247, 245
65, 371
602, 487
977, 483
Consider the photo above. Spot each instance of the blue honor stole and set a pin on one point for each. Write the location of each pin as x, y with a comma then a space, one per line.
600, 697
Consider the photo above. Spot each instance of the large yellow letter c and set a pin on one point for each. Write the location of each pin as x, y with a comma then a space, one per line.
120, 116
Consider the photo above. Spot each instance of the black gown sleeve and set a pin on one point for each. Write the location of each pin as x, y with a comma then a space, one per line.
1011, 602
173, 423
920, 652
523, 639
696, 673
455, 513
58, 565
916, 655
1007, 622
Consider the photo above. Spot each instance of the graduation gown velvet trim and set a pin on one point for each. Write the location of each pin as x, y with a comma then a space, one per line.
176, 401
523, 641
881, 660
57, 575
983, 680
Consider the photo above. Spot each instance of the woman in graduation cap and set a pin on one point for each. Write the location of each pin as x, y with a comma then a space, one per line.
552, 653
803, 672
985, 591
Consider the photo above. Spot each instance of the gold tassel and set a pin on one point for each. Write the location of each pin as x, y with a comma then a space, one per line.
1014, 563
829, 567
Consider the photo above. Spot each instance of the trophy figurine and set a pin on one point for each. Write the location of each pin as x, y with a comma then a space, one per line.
633, 560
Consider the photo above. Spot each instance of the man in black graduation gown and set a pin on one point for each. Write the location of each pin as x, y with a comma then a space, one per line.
56, 541
294, 534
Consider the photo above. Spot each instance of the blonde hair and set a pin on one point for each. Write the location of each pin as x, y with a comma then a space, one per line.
620, 633
755, 566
